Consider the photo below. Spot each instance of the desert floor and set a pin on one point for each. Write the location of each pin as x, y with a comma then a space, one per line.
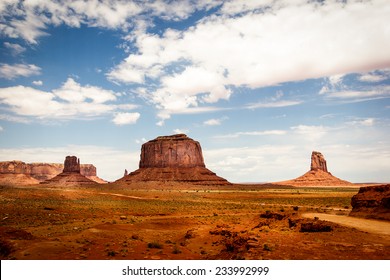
186, 222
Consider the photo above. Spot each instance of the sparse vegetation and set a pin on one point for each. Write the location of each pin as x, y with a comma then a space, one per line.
155, 245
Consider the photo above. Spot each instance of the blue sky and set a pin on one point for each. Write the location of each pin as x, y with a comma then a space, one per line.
260, 84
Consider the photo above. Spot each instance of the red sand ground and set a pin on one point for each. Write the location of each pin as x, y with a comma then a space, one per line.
157, 221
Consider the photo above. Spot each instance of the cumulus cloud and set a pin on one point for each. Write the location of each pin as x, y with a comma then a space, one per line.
9, 71
126, 118
258, 44
71, 100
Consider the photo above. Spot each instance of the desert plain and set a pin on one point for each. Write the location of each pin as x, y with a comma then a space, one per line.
156, 220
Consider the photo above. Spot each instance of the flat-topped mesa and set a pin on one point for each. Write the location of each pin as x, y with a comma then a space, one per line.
171, 151
318, 162
175, 158
71, 164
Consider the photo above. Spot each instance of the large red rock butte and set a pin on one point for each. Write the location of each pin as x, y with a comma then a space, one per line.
318, 175
70, 175
175, 158
41, 171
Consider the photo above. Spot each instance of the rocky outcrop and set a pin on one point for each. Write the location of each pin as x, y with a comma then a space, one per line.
41, 171
318, 162
372, 202
318, 175
71, 164
70, 175
175, 158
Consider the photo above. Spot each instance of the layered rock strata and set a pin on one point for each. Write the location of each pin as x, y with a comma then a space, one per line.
45, 171
372, 202
175, 158
70, 174
318, 175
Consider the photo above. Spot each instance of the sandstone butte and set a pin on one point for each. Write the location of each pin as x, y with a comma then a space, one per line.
175, 158
21, 173
70, 175
372, 202
318, 175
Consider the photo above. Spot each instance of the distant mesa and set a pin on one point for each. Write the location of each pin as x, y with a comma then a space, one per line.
318, 175
175, 158
70, 175
372, 202
39, 172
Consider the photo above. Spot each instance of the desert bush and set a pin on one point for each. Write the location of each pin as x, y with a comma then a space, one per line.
176, 250
155, 245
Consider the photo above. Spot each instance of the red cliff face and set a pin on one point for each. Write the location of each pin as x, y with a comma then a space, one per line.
171, 151
318, 162
175, 158
71, 164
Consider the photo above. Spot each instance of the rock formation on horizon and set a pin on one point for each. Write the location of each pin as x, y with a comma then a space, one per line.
40, 171
70, 175
175, 158
318, 162
318, 175
71, 164
372, 202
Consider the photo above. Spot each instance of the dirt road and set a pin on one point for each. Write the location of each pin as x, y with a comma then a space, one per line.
372, 226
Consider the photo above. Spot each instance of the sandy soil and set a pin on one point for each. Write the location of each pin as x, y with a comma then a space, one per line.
184, 222
368, 225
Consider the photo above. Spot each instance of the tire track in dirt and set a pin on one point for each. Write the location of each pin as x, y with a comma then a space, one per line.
372, 226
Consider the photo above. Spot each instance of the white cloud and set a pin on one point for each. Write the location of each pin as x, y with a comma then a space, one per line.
29, 19
273, 104
15, 49
14, 118
253, 133
180, 131
71, 100
360, 95
1, 129
375, 76
281, 41
8, 71
214, 122
73, 92
126, 118
37, 83
362, 122
312, 133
